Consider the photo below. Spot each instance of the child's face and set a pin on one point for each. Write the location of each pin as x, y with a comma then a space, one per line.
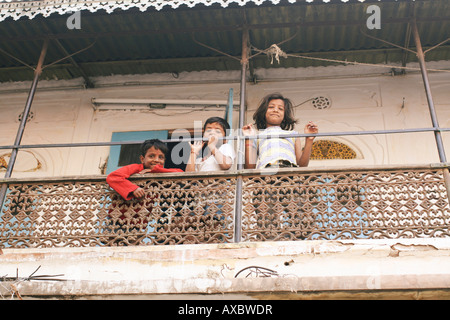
275, 112
153, 157
213, 129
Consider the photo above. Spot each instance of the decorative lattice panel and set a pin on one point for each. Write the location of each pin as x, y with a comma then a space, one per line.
289, 205
346, 205
91, 214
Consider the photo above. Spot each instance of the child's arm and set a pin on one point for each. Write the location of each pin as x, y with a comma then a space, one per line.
118, 180
250, 151
250, 155
303, 156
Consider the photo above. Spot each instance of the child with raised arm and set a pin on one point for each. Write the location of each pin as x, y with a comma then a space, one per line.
218, 155
274, 117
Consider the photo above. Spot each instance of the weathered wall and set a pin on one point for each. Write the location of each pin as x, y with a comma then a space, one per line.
254, 270
360, 100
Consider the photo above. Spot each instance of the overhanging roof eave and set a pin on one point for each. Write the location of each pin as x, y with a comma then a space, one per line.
18, 9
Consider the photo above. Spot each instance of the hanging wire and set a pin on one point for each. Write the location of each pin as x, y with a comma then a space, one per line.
274, 49
70, 55
9, 283
439, 44
387, 42
48, 65
17, 59
214, 49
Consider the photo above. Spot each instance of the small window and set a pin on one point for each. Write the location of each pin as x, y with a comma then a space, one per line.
129, 153
122, 155
126, 154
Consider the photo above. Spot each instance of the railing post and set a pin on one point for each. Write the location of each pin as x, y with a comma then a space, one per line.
423, 69
240, 140
229, 108
26, 112
434, 119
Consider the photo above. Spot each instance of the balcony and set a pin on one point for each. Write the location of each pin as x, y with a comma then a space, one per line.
185, 237
301, 204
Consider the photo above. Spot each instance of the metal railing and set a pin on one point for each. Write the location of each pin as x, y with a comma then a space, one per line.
293, 204
235, 209
22, 202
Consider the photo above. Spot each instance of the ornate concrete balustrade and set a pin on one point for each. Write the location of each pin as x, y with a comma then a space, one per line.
288, 204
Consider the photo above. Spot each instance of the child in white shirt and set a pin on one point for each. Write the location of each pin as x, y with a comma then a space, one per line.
218, 154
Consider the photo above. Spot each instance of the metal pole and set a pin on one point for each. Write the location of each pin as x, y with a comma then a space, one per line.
434, 120
229, 109
423, 68
240, 140
26, 112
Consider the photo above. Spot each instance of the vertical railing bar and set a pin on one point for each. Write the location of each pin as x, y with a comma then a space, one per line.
431, 107
21, 129
446, 174
240, 141
229, 109
423, 69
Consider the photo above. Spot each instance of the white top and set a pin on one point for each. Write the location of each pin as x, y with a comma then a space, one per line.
210, 163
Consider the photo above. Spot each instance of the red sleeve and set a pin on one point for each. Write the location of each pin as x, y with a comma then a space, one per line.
160, 169
118, 180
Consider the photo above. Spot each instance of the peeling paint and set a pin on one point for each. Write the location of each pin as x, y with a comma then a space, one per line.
295, 266
413, 247
394, 253
397, 248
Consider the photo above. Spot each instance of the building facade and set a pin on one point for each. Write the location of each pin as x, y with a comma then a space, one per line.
373, 202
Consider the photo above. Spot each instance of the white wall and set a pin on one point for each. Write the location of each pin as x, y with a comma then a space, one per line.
358, 102
299, 267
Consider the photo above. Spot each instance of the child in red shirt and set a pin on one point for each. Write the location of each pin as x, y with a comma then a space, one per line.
153, 156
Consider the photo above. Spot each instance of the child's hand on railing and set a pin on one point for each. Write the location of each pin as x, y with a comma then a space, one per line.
139, 193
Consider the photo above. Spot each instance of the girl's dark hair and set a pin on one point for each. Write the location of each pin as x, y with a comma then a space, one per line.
156, 143
260, 115
223, 123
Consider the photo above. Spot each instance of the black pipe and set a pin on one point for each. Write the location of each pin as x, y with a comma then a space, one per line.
423, 69
240, 141
23, 122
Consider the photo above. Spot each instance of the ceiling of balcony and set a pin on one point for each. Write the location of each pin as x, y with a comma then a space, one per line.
127, 42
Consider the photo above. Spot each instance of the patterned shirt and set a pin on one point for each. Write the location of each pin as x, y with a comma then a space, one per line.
274, 149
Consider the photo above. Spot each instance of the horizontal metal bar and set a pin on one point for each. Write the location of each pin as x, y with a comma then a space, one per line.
233, 173
100, 101
352, 133
62, 145
233, 137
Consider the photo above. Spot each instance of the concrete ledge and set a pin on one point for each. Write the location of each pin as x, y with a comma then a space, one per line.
257, 268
